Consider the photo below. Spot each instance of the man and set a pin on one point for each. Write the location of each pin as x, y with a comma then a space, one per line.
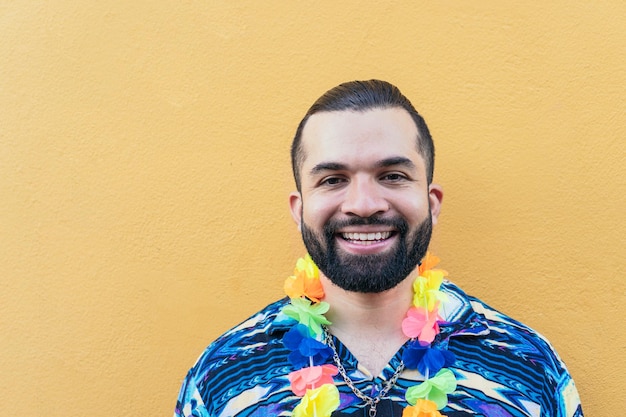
369, 338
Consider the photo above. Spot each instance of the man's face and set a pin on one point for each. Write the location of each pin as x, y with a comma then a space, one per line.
365, 208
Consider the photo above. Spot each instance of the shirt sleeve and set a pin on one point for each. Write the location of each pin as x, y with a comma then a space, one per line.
568, 398
190, 403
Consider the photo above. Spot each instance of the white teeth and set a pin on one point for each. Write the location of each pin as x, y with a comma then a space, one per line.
366, 237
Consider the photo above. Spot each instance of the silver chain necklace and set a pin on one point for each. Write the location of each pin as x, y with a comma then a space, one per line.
372, 403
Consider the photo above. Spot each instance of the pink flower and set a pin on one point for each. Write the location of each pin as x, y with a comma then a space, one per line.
311, 378
421, 324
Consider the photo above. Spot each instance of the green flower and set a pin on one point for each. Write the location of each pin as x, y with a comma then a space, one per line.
435, 389
308, 314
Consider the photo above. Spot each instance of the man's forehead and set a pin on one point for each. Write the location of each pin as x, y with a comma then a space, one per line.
352, 133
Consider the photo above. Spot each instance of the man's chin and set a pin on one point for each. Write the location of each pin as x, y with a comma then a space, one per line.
375, 261
350, 267
366, 281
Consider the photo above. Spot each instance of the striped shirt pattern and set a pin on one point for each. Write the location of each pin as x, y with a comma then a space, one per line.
502, 367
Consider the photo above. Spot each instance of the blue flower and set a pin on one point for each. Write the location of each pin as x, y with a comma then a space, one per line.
305, 350
426, 359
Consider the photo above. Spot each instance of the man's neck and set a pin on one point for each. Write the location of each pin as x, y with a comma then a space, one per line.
370, 325
368, 311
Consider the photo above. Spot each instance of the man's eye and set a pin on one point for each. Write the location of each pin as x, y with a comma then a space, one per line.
393, 177
332, 181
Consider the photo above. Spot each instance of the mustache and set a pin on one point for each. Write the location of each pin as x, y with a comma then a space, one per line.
398, 223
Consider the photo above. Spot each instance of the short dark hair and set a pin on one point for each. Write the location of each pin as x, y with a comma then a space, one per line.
362, 96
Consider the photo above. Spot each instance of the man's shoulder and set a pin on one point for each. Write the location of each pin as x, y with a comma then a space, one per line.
505, 324
504, 333
251, 335
513, 357
468, 306
231, 368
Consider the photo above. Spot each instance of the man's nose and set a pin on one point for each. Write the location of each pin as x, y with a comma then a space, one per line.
364, 198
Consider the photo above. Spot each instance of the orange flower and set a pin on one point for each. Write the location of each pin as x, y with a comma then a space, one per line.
429, 262
305, 281
422, 408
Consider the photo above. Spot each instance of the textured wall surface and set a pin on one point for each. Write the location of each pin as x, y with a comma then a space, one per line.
144, 175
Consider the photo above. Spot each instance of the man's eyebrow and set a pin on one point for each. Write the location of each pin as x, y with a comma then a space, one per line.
383, 163
394, 161
327, 166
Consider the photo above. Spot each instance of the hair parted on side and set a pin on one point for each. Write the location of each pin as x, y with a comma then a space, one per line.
362, 96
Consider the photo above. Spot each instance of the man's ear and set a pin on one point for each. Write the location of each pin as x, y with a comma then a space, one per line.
435, 196
295, 205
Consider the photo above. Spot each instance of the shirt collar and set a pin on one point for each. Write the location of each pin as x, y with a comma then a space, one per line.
281, 322
462, 316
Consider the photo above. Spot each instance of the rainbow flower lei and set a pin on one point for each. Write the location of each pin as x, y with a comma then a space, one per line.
313, 378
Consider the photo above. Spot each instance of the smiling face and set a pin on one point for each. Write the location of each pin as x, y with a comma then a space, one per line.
365, 207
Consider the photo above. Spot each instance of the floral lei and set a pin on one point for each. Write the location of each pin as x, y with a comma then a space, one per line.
313, 379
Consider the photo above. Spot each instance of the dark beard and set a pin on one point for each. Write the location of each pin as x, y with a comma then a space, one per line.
368, 273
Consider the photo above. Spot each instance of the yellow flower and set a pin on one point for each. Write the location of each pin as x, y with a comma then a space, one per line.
305, 282
426, 289
318, 402
307, 265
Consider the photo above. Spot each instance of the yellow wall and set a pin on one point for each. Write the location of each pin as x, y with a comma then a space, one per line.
144, 174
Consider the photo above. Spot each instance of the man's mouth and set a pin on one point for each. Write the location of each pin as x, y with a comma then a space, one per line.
366, 238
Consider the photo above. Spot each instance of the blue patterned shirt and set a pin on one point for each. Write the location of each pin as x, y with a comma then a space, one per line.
502, 367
